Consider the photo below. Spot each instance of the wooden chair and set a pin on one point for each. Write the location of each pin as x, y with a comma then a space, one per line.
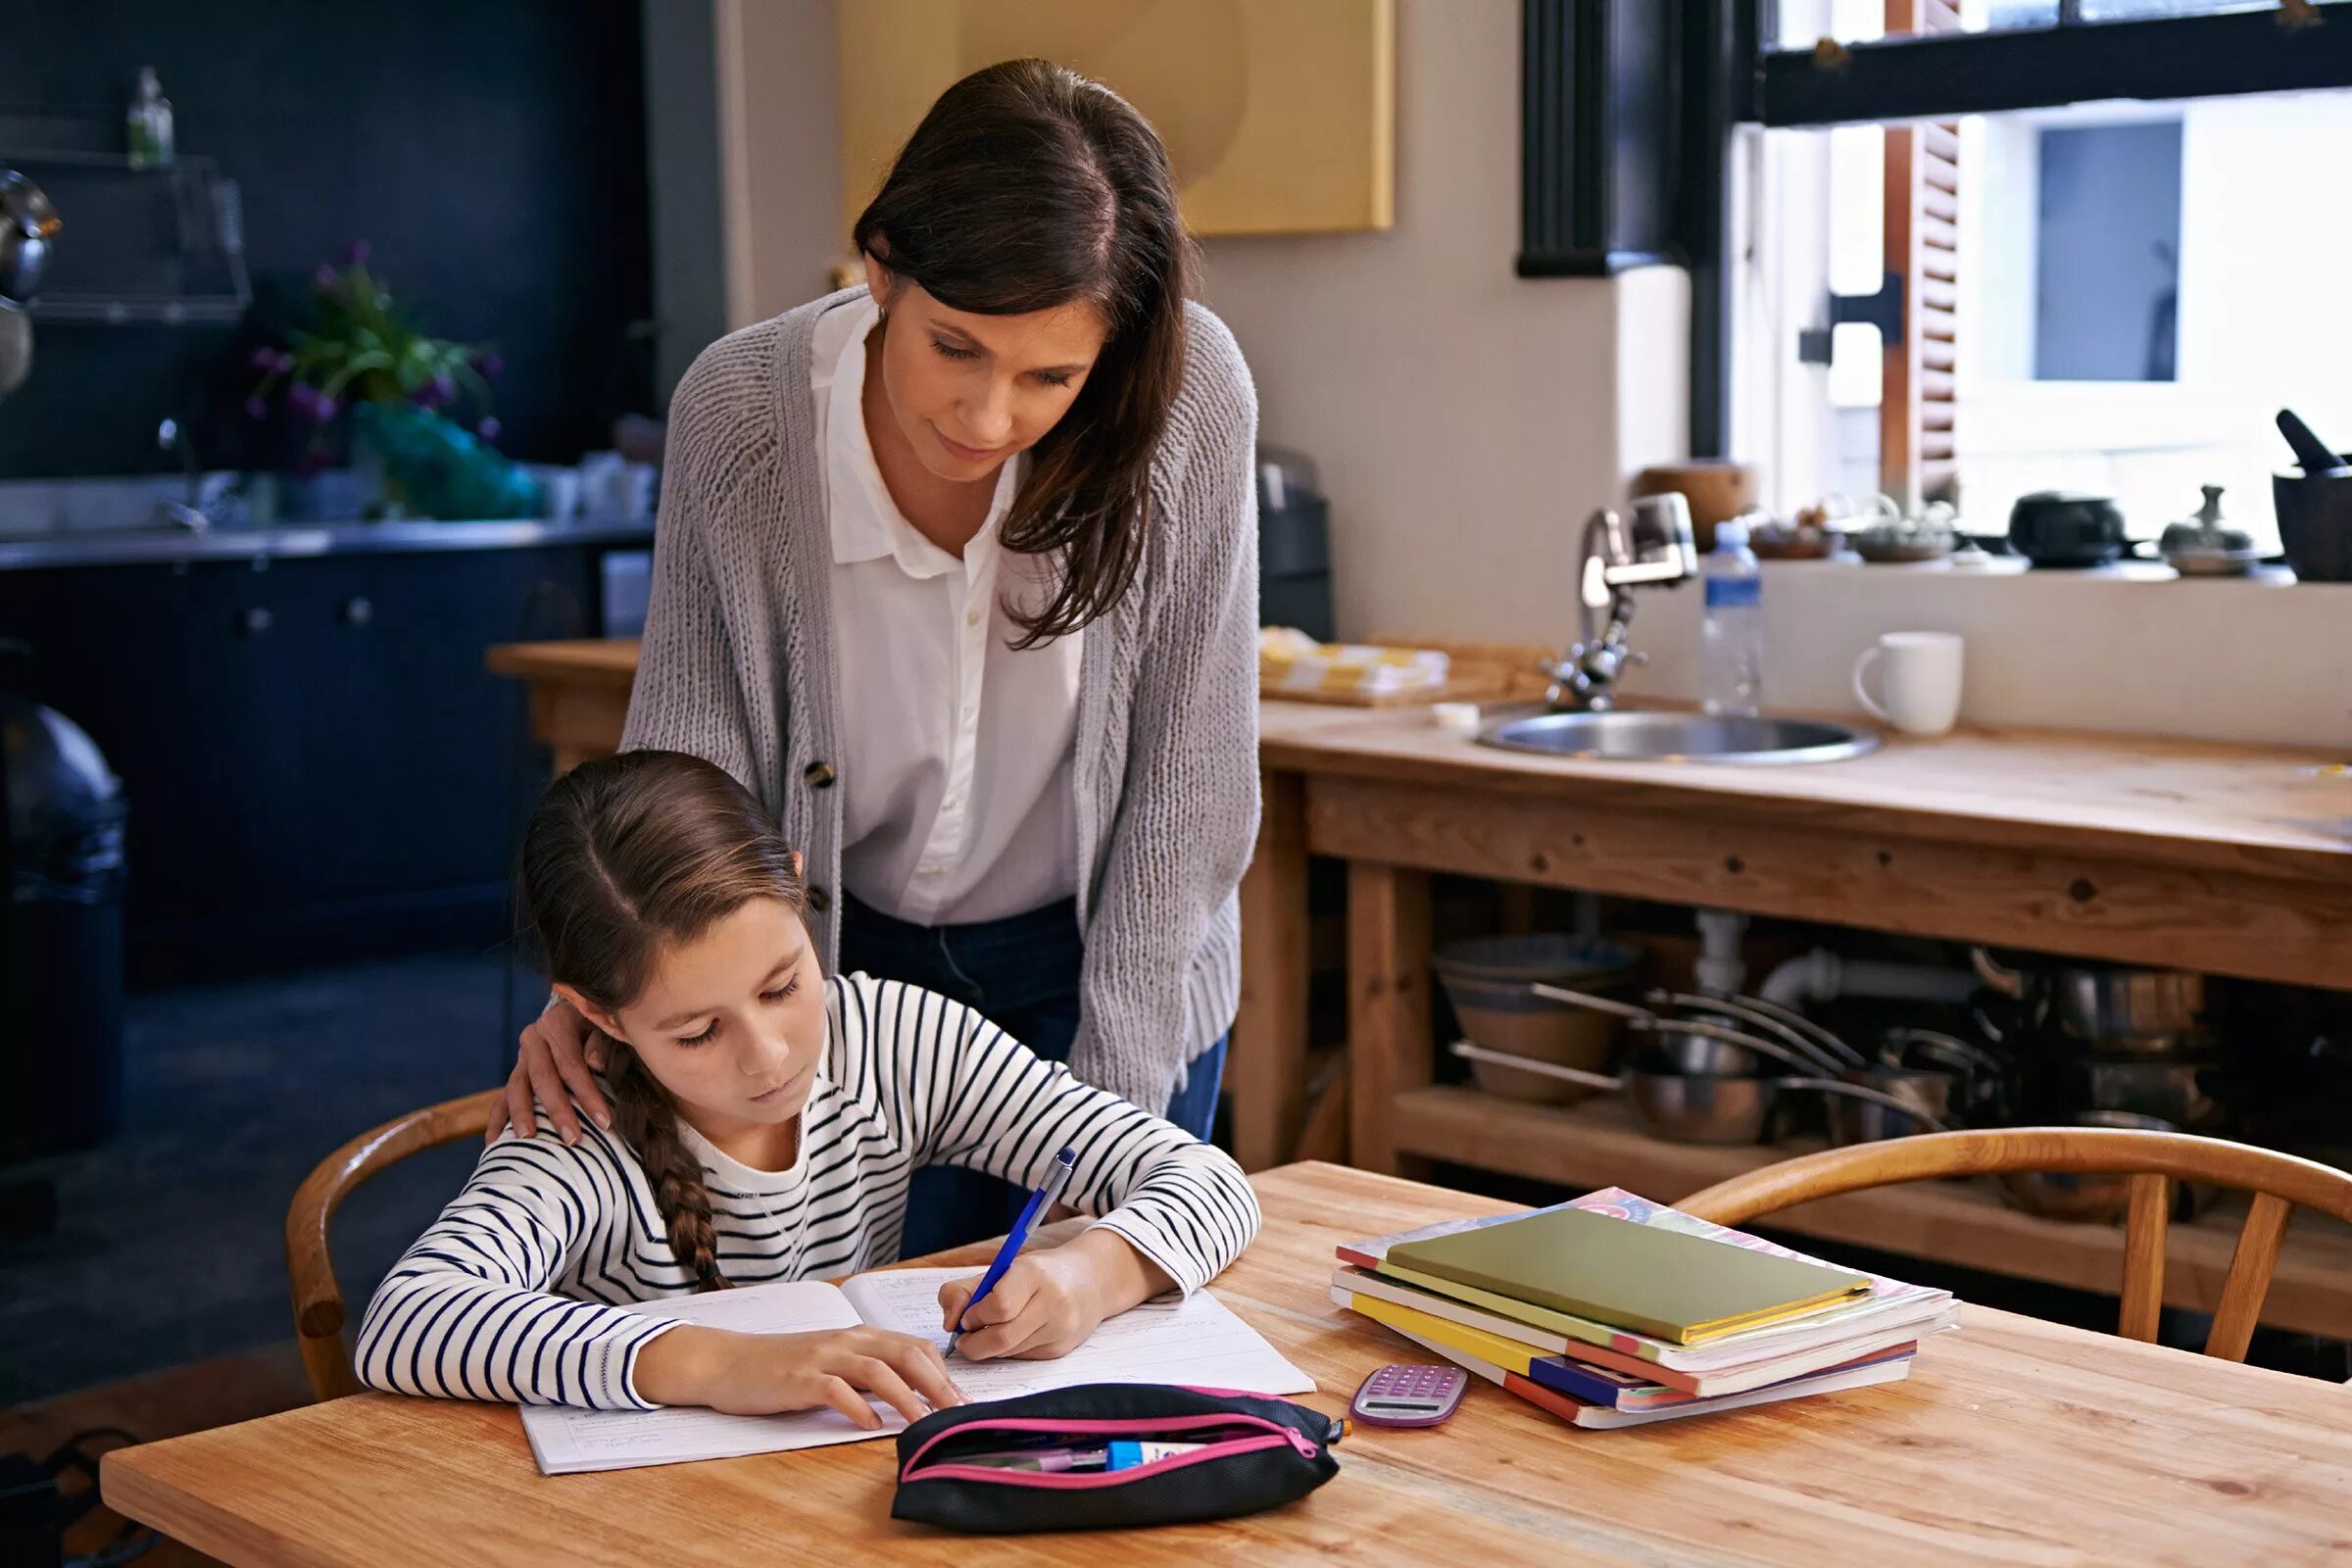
2153, 1160
318, 1311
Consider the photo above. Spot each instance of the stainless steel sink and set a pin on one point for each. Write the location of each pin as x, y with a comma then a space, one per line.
1680, 738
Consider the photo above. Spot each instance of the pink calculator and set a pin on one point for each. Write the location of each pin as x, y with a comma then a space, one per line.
1409, 1395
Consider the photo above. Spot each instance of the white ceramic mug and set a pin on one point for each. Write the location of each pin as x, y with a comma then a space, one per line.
1921, 679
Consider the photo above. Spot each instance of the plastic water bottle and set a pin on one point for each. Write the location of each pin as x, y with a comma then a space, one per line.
1730, 676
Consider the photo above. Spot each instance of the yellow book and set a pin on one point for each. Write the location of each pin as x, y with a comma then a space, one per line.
1509, 1354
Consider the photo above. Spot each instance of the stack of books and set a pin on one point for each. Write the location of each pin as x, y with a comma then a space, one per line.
1615, 1311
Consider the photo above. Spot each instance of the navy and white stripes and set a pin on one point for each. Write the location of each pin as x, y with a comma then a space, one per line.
512, 1293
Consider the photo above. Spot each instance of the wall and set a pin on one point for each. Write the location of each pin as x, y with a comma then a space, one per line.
493, 153
779, 104
2259, 662
1464, 421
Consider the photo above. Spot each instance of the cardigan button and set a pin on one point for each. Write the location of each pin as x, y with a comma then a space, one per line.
820, 899
818, 775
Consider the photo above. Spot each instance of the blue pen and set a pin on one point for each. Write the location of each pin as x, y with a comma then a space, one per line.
1039, 1201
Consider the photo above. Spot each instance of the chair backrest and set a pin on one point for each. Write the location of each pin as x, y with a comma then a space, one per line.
319, 1312
2153, 1160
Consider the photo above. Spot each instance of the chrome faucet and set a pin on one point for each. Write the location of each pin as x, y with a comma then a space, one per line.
1653, 547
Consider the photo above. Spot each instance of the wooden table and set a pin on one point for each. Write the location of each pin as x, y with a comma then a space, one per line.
579, 692
2014, 1441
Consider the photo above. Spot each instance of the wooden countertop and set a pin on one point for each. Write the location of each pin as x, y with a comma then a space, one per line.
2186, 804
590, 661
2013, 1441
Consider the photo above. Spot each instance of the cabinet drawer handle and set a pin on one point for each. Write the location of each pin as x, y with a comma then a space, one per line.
255, 622
358, 610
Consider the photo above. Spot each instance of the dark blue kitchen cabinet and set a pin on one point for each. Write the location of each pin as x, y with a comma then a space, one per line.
317, 764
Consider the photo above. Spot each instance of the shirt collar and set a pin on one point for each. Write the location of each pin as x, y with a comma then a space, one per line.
865, 523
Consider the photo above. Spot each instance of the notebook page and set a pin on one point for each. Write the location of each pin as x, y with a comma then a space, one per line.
1167, 1340
565, 1440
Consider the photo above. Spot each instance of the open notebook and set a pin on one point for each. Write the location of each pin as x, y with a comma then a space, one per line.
1166, 1340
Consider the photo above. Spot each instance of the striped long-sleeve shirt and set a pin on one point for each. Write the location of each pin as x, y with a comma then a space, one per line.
512, 1295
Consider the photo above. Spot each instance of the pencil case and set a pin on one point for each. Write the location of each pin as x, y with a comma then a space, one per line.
1242, 1454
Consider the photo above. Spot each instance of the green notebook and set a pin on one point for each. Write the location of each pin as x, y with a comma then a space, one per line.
1674, 1286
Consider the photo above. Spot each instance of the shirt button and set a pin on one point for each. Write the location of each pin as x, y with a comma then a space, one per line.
820, 775
972, 618
820, 899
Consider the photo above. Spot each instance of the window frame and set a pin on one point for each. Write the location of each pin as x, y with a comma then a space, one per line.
1617, 174
1944, 77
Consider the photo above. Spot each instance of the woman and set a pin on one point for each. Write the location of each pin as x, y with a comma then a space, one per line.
957, 573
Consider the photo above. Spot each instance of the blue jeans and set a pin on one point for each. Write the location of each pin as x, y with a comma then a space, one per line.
1021, 974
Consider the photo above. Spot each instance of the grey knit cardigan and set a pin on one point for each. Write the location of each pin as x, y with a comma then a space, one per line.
739, 667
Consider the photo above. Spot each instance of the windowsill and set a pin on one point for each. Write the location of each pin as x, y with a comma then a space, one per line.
2017, 569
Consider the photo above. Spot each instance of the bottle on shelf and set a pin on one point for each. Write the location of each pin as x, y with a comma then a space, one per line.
147, 123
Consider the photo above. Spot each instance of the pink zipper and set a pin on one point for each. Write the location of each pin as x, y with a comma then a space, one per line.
1276, 1433
1069, 1482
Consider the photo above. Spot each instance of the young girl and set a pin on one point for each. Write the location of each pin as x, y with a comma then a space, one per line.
767, 1122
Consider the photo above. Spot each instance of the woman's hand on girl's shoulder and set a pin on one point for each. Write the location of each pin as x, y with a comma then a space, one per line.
767, 1374
554, 1067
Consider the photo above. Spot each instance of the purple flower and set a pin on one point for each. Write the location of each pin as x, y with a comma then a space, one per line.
326, 277
438, 393
488, 365
263, 357
256, 408
310, 403
488, 428
355, 253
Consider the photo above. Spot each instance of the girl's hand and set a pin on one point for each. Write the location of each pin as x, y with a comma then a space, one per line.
1051, 1300
765, 1374
554, 1067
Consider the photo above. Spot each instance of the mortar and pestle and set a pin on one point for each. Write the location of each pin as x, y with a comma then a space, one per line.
2314, 506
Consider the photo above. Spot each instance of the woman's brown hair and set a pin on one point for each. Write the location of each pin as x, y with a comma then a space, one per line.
1028, 188
624, 854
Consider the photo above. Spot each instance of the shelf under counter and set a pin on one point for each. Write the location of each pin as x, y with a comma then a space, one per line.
1596, 1143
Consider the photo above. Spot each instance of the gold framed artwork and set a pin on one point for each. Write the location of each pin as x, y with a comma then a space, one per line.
1279, 116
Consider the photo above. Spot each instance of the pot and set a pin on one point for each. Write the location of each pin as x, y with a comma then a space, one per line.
1488, 981
2088, 1196
1782, 1036
1917, 1094
2170, 1090
2065, 529
1697, 1108
1983, 1090
2101, 1004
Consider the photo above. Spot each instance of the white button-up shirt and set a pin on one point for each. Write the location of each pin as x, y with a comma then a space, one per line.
956, 750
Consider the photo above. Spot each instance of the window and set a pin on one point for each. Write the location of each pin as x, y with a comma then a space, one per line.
1936, 288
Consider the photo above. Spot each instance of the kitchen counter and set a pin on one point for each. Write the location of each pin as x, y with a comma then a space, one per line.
99, 547
2181, 802
2223, 859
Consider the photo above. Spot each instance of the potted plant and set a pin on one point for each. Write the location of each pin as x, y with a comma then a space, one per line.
411, 398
